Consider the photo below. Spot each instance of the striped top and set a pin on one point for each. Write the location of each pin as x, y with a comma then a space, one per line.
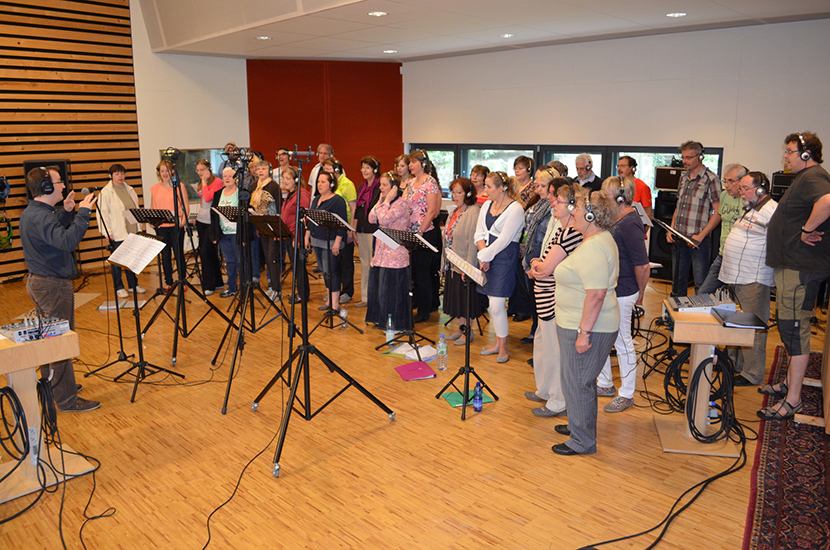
545, 289
745, 249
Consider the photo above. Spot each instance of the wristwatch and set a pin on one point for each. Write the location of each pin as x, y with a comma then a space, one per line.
579, 330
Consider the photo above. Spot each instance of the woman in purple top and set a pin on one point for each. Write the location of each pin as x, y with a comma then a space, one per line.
367, 196
629, 234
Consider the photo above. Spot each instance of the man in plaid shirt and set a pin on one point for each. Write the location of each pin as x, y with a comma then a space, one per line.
698, 199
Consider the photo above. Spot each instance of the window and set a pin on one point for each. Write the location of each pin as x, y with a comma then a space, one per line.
497, 160
650, 158
568, 158
444, 159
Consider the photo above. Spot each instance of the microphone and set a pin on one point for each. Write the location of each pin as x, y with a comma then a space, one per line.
88, 190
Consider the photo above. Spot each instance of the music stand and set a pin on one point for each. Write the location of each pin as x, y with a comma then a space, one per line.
472, 275
410, 241
156, 217
274, 228
134, 254
304, 351
330, 222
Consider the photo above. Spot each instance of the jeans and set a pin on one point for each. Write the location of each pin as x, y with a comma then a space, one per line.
712, 283
56, 298
330, 266
116, 272
232, 258
684, 257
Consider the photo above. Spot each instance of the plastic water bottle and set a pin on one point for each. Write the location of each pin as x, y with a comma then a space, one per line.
478, 399
442, 354
343, 315
390, 332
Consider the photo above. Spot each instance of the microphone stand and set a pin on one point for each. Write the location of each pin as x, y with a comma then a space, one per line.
303, 353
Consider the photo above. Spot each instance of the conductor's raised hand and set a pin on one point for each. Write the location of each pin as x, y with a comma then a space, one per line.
69, 202
89, 201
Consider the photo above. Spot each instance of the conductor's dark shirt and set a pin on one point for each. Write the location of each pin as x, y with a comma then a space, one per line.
49, 238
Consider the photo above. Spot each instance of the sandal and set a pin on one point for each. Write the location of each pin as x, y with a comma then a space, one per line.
768, 389
767, 413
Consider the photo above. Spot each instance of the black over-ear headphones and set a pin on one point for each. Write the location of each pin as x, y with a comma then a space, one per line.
589, 213
46, 185
802, 147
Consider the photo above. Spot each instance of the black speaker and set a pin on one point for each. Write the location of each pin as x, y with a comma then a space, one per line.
64, 168
659, 250
780, 183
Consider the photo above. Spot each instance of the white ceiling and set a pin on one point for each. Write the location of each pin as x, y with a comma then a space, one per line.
424, 29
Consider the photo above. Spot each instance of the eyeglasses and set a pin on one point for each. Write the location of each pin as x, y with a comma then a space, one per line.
622, 166
689, 157
788, 152
728, 180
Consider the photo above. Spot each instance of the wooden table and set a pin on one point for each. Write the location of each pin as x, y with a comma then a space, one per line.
19, 362
703, 332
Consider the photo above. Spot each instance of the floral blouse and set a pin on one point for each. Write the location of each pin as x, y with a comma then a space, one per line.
393, 216
418, 200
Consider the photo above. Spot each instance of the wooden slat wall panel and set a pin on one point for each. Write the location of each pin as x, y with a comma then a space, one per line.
66, 91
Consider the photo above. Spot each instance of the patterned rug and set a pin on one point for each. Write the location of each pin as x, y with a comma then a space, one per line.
790, 502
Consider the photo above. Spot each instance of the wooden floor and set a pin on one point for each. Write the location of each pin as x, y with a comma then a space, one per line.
351, 478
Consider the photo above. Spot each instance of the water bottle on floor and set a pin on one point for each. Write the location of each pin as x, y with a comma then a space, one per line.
343, 315
478, 398
441, 361
390, 332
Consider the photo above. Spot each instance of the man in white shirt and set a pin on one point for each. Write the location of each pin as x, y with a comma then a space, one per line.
745, 272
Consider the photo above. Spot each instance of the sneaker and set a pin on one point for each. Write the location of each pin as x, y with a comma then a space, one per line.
139, 290
344, 299
208, 292
122, 293
228, 294
606, 392
80, 405
531, 395
545, 412
618, 404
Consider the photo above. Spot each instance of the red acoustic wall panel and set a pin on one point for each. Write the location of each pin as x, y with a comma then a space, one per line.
355, 107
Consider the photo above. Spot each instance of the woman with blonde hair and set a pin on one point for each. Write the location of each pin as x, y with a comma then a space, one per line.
266, 200
498, 230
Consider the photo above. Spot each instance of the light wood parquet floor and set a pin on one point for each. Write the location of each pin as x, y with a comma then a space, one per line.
350, 478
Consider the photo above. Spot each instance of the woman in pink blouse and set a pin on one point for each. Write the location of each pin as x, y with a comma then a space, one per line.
389, 276
424, 194
208, 185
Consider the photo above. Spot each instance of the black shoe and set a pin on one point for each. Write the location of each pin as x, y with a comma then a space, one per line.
518, 318
562, 449
81, 405
741, 381
421, 318
562, 429
530, 362
527, 340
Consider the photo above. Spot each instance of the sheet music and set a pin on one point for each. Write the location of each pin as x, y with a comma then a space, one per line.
223, 218
136, 252
349, 227
642, 213
466, 267
425, 242
386, 239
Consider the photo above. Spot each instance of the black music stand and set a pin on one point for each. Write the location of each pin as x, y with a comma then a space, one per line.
466, 370
156, 217
305, 350
142, 367
330, 222
410, 241
274, 228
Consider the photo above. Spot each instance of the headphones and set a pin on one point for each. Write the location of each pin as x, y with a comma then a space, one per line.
424, 161
589, 213
620, 198
571, 198
332, 180
802, 147
503, 181
761, 190
376, 167
46, 185
702, 152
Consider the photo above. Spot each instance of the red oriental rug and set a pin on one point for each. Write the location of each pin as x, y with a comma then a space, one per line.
790, 502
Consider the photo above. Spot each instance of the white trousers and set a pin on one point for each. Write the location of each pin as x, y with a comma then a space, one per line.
547, 364
626, 354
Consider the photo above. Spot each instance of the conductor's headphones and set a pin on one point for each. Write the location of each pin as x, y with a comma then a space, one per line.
802, 147
46, 185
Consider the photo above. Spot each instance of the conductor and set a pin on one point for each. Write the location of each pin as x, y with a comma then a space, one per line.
49, 237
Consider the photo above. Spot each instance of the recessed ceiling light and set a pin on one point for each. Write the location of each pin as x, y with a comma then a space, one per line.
676, 14
263, 38
390, 51
378, 13
507, 35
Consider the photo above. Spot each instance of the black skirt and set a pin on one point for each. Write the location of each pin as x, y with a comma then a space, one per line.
388, 289
455, 297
